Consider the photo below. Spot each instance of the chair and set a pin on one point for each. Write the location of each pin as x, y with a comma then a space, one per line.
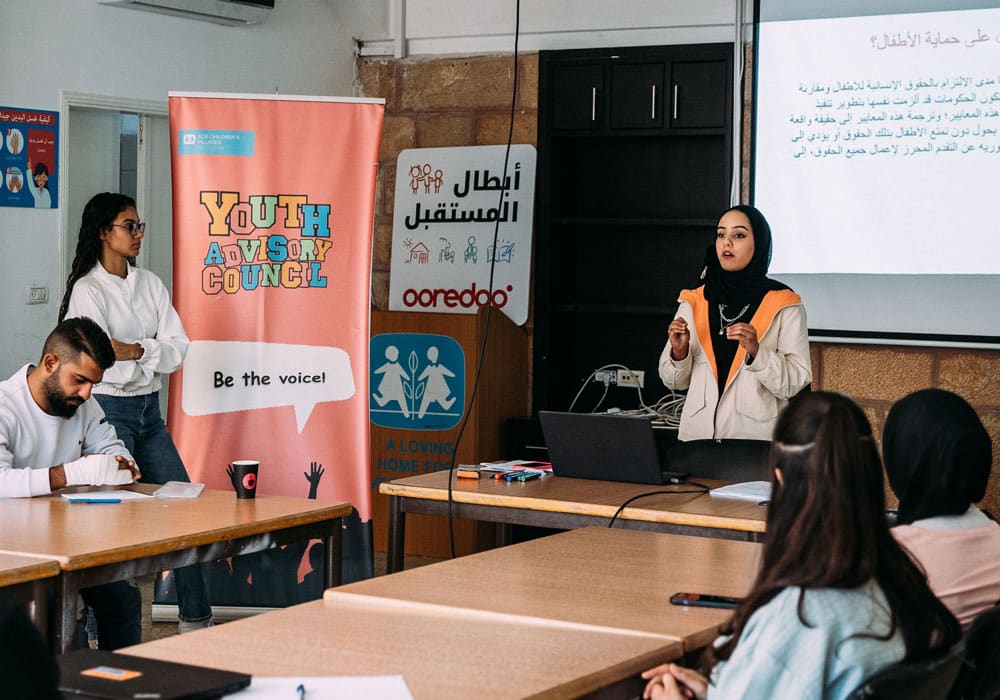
731, 460
923, 679
980, 676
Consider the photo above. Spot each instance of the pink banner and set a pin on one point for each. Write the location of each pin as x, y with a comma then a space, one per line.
273, 202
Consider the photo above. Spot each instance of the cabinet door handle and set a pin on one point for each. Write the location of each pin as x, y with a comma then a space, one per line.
652, 102
593, 104
675, 101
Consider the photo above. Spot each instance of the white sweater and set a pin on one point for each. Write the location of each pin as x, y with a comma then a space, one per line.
31, 440
136, 309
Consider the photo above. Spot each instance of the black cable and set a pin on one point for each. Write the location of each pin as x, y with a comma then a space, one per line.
624, 505
489, 307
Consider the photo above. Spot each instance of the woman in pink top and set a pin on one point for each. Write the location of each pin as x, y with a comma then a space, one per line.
938, 457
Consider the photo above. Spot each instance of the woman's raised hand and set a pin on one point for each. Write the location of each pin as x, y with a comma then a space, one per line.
679, 337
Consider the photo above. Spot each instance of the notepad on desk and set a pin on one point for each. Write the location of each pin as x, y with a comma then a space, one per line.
756, 491
115, 496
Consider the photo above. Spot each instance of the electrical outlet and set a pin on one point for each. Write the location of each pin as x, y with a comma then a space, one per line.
631, 377
605, 377
37, 295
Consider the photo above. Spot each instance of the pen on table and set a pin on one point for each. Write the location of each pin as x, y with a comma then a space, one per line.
94, 500
764, 503
528, 476
301, 690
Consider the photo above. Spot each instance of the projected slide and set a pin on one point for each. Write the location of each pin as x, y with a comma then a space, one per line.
877, 152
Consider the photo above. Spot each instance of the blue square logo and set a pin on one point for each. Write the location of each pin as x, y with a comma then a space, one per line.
417, 380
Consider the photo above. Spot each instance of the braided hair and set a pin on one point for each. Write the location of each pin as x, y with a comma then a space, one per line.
98, 215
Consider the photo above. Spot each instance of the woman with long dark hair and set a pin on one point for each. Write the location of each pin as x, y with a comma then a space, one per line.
836, 598
739, 343
938, 457
133, 307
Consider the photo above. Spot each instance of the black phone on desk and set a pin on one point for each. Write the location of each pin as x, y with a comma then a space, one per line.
704, 600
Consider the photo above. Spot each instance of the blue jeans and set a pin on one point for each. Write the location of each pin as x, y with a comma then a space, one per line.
117, 609
137, 421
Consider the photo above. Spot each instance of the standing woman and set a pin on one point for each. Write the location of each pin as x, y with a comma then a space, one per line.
836, 598
739, 343
133, 306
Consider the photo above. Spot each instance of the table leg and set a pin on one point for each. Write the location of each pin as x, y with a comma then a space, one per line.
64, 614
40, 606
333, 565
504, 534
397, 536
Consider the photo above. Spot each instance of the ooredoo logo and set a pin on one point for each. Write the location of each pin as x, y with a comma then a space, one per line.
249, 481
452, 298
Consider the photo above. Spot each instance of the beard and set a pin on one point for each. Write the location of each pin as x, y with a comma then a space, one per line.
60, 404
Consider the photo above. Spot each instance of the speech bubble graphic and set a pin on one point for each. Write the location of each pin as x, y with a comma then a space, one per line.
227, 376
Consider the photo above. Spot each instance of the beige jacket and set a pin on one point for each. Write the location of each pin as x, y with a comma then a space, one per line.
754, 393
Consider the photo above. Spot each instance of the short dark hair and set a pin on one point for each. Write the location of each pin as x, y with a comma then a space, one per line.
80, 336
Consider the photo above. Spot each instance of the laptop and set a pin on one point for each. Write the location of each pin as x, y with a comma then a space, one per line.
603, 446
92, 673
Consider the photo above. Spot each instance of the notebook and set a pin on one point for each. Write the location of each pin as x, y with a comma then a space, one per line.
93, 673
602, 446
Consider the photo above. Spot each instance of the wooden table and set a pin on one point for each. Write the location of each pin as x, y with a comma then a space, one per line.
28, 580
566, 503
597, 578
99, 543
440, 653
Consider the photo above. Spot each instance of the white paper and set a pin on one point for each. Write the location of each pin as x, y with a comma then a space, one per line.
756, 491
179, 489
326, 688
105, 496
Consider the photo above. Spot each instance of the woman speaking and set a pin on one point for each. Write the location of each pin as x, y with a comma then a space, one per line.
739, 343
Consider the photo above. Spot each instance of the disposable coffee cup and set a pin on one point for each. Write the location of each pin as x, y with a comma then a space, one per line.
243, 473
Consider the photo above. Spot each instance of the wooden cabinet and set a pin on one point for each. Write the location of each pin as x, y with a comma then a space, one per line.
635, 153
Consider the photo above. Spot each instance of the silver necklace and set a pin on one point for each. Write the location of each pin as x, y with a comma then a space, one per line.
727, 322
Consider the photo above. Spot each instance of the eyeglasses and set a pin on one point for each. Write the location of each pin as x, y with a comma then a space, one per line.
133, 227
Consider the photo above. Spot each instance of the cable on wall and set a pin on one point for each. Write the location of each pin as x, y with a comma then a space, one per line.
738, 68
489, 307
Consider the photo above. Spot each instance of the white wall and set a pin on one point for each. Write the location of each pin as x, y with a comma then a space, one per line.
482, 26
304, 47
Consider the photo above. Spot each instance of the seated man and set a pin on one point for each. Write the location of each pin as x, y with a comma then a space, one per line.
938, 456
51, 436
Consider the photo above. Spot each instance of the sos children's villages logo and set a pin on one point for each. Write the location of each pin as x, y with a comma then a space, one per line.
417, 380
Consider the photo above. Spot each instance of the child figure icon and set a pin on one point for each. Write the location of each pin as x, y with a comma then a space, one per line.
421, 384
390, 388
436, 388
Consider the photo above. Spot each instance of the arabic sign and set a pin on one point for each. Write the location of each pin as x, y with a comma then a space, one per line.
28, 149
449, 204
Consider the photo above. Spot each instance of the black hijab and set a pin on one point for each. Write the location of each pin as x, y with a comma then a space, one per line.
749, 285
937, 454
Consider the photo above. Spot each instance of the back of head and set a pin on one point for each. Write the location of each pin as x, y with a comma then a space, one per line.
80, 336
826, 524
830, 490
937, 453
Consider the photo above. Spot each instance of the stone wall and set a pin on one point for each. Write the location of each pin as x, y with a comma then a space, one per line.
466, 101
